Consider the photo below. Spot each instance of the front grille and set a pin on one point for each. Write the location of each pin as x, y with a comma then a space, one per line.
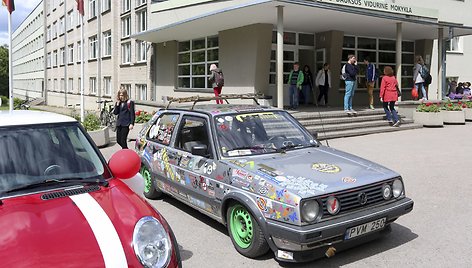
65, 193
349, 200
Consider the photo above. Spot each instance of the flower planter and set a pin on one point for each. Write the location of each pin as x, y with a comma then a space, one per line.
133, 134
101, 137
428, 119
453, 117
468, 114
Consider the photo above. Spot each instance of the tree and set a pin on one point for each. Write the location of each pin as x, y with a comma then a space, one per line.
4, 88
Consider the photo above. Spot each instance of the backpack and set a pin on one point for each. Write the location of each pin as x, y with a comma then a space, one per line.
424, 72
428, 79
344, 75
219, 79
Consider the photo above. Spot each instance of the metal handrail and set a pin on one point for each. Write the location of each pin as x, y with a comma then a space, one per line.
225, 97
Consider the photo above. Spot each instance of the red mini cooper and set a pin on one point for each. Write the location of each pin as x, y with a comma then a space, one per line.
62, 205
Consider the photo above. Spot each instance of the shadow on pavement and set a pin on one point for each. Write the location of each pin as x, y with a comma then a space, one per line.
400, 235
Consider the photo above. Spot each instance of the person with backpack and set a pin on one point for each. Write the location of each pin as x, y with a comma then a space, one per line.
389, 95
217, 81
370, 77
323, 82
419, 73
295, 81
349, 74
124, 109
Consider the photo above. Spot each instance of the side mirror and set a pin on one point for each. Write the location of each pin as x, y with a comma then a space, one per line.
124, 164
315, 135
200, 149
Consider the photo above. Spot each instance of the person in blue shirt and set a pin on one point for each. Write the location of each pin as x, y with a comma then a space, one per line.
370, 78
351, 80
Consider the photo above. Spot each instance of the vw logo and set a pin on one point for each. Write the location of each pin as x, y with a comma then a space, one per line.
362, 199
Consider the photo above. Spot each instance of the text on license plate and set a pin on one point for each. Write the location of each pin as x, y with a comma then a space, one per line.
365, 228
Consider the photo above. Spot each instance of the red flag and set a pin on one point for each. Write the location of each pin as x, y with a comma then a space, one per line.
80, 6
9, 4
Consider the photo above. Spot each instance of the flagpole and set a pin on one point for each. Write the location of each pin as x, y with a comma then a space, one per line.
10, 63
82, 115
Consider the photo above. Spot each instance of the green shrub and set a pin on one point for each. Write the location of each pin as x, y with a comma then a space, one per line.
91, 121
17, 102
4, 100
142, 116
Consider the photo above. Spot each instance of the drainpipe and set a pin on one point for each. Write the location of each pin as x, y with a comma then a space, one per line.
280, 57
398, 56
440, 63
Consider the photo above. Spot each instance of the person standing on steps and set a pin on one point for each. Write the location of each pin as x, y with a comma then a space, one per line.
418, 77
307, 83
389, 95
370, 78
124, 109
350, 71
295, 80
323, 82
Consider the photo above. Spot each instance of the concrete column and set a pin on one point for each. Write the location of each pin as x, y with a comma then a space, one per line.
398, 56
440, 63
280, 57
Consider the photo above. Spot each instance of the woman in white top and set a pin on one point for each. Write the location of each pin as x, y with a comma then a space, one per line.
323, 82
418, 80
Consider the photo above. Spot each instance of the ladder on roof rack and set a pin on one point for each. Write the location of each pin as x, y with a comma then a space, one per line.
225, 97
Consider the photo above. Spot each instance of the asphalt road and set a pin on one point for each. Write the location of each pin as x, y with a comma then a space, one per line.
436, 167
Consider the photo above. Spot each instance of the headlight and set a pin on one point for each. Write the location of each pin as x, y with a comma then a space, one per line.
387, 192
310, 210
397, 188
151, 243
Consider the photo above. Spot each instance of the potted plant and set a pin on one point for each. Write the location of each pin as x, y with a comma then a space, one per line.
428, 114
99, 134
453, 113
141, 118
468, 110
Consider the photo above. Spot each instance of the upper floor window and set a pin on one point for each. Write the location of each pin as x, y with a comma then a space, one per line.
92, 9
140, 2
126, 6
106, 5
126, 26
126, 53
141, 51
93, 47
142, 21
107, 43
454, 44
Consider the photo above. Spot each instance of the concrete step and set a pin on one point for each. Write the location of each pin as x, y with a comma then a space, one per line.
365, 131
352, 125
317, 113
340, 120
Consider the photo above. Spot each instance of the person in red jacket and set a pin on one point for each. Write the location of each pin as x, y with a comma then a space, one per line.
389, 95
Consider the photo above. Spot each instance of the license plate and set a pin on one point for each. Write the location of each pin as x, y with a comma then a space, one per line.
365, 228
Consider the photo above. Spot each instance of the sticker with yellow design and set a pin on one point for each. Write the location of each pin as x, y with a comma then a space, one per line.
326, 168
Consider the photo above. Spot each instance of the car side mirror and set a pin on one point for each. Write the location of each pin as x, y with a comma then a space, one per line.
315, 135
200, 149
124, 164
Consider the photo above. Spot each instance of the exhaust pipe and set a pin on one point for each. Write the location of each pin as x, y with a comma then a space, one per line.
330, 252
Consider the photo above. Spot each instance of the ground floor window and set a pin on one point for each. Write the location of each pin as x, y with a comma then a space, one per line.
194, 60
141, 89
70, 85
107, 85
128, 88
93, 85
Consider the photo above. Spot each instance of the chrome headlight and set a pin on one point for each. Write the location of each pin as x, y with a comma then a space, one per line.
387, 192
151, 243
397, 188
310, 210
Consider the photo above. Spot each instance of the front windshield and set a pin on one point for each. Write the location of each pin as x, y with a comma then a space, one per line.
258, 133
30, 155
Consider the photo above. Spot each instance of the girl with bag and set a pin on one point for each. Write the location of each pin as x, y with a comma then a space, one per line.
124, 109
389, 95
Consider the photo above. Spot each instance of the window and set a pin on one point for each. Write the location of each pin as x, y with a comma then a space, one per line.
70, 20
48, 60
93, 85
106, 5
126, 26
48, 35
54, 30
194, 60
107, 43
93, 47
78, 18
161, 131
62, 55
141, 53
79, 52
71, 54
55, 84
54, 58
142, 91
454, 45
63, 85
128, 88
126, 6
92, 9
142, 22
107, 86
61, 26
140, 2
70, 85
192, 131
79, 85
126, 53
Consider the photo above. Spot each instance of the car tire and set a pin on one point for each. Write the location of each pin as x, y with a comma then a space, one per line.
245, 232
150, 190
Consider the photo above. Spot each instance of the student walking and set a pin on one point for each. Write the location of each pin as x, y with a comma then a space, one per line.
295, 80
124, 109
418, 73
217, 80
307, 83
389, 95
350, 75
370, 81
323, 82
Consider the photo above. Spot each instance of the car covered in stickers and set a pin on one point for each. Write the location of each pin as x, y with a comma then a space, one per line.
62, 204
259, 172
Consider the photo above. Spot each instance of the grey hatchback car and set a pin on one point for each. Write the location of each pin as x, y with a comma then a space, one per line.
259, 172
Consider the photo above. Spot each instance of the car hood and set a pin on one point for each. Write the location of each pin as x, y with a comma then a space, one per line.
316, 170
52, 233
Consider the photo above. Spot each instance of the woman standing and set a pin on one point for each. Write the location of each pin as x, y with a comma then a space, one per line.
323, 81
124, 109
389, 95
418, 79
307, 83
217, 81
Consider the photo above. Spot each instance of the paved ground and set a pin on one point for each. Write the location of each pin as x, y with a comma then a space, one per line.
436, 165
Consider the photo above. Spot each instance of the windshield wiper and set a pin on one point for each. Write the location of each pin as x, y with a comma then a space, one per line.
251, 148
58, 181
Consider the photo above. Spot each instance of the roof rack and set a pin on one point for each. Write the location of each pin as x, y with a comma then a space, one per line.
224, 97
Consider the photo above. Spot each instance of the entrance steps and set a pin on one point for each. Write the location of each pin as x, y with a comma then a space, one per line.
330, 123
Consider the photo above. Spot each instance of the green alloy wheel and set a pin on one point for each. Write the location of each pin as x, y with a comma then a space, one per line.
245, 233
150, 191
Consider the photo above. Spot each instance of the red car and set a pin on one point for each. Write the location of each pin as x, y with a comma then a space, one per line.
62, 205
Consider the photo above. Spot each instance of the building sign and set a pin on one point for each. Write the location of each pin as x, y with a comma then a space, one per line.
386, 7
